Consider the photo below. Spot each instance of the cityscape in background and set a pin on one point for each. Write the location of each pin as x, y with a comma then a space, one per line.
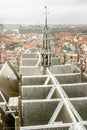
43, 65
69, 42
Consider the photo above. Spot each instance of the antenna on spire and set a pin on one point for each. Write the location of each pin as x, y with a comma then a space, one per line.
46, 17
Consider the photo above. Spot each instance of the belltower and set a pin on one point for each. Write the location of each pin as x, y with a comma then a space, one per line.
46, 50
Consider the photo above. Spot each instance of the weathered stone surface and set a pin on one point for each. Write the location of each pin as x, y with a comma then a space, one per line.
34, 80
28, 71
38, 113
69, 78
29, 55
30, 93
61, 69
76, 90
29, 62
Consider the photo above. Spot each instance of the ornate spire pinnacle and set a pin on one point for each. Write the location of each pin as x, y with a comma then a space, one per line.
45, 17
46, 50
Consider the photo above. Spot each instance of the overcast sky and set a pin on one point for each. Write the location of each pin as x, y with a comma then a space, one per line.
31, 11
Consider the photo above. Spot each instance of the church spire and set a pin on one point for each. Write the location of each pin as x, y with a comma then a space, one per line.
46, 51
46, 17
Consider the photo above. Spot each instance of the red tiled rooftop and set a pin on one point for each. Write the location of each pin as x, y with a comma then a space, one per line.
28, 46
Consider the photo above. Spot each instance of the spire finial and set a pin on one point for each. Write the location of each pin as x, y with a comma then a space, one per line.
46, 17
